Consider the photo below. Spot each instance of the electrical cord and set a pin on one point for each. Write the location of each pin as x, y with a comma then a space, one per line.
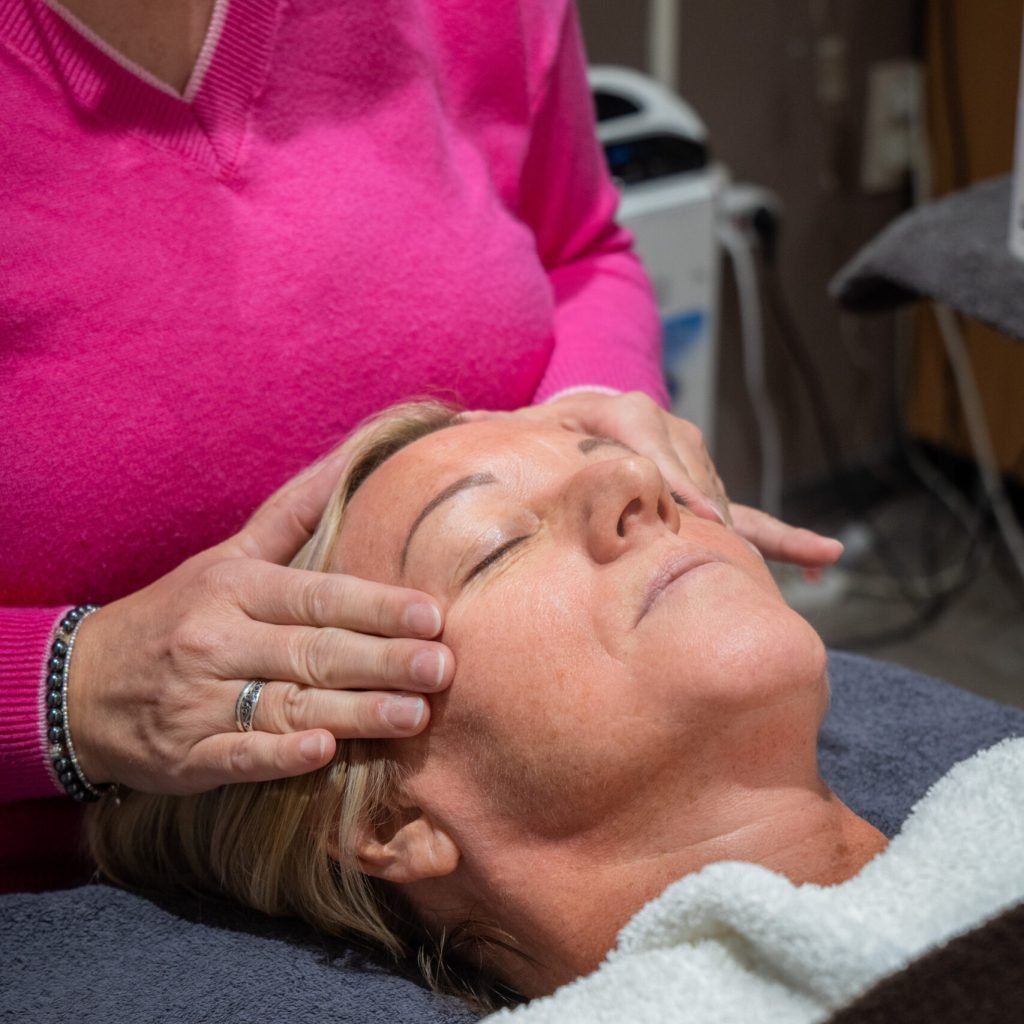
928, 599
944, 495
740, 249
750, 225
977, 430
932, 594
929, 596
952, 337
767, 227
994, 500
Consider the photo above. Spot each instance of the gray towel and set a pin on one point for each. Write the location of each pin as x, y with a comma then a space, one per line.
891, 732
953, 250
96, 954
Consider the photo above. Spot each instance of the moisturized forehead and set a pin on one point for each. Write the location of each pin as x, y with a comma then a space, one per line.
387, 504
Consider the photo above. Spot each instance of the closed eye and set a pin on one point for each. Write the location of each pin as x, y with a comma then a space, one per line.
679, 499
493, 557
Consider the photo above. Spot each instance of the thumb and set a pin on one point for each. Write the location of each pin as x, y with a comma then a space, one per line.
287, 519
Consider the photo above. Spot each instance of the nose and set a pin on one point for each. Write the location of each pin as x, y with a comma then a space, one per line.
621, 502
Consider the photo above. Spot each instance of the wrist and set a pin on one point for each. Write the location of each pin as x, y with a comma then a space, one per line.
83, 698
63, 751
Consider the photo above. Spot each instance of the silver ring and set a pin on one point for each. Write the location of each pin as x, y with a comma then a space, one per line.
245, 706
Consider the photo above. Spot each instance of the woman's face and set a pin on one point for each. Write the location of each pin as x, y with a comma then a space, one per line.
607, 641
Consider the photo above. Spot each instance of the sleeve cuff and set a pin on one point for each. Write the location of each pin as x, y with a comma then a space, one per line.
25, 636
580, 389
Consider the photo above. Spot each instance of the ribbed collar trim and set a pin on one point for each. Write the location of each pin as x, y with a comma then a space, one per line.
207, 124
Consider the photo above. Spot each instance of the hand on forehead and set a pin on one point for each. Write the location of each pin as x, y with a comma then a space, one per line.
397, 502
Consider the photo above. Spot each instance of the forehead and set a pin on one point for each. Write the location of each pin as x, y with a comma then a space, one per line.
440, 458
385, 506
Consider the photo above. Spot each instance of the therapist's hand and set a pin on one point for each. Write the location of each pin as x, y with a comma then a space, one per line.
155, 676
677, 447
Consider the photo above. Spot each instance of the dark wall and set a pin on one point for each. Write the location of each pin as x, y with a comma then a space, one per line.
760, 76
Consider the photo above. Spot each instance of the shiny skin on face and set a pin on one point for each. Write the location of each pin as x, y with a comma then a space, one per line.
602, 634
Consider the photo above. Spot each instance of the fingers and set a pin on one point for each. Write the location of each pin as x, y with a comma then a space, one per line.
291, 708
271, 593
327, 629
254, 757
688, 442
340, 659
679, 451
676, 446
783, 543
294, 732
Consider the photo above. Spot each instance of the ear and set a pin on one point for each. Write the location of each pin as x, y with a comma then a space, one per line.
406, 848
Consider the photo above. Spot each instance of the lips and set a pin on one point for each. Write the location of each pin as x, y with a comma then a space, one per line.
669, 570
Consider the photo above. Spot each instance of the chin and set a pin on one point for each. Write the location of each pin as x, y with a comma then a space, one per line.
747, 657
779, 654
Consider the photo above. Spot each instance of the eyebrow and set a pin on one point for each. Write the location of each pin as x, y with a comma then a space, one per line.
473, 480
588, 444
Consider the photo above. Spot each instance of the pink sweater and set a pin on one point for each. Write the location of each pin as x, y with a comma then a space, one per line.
355, 203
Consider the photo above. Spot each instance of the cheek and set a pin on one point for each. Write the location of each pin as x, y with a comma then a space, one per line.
730, 545
521, 646
525, 720
724, 643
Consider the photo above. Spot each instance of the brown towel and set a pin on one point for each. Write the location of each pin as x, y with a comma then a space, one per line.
977, 978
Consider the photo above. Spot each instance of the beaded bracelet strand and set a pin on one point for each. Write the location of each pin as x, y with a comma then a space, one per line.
58, 734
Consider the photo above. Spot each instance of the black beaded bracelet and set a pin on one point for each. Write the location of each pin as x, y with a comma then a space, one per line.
62, 752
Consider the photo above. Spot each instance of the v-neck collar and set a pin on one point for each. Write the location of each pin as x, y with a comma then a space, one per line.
207, 123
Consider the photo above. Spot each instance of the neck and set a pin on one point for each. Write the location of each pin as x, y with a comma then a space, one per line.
164, 38
566, 917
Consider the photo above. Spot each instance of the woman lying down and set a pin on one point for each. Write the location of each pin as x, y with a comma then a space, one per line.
634, 706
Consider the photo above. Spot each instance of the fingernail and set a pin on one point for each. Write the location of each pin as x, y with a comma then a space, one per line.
313, 748
721, 509
428, 667
422, 619
403, 712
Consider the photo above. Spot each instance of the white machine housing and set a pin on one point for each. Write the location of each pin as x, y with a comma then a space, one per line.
656, 148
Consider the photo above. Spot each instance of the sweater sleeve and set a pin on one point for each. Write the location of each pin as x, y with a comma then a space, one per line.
607, 333
25, 635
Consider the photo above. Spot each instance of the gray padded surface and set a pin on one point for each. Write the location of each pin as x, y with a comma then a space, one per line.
890, 733
953, 250
97, 954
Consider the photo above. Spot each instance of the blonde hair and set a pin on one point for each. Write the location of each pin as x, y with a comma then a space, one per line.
272, 846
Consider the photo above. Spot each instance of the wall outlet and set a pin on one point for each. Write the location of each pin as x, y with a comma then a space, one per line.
892, 125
